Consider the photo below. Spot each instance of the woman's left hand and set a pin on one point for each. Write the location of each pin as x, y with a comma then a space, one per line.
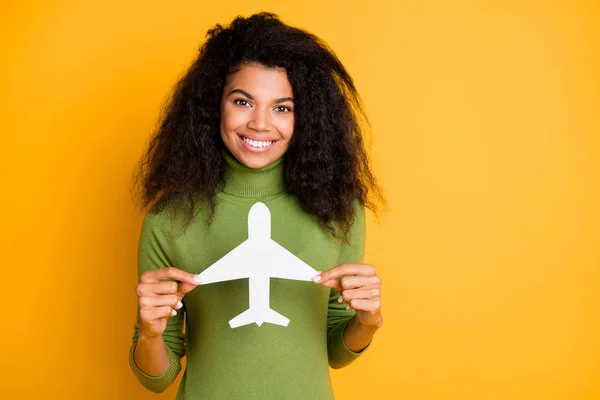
360, 287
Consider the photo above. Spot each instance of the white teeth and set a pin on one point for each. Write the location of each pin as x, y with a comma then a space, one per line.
256, 143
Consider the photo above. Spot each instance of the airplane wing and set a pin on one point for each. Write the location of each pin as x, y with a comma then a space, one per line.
286, 265
233, 265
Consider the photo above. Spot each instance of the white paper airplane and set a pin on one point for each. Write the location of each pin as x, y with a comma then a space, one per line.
259, 258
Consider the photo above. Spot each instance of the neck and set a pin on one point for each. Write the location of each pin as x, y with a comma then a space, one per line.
246, 182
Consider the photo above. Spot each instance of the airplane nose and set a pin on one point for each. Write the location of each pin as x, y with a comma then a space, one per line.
259, 221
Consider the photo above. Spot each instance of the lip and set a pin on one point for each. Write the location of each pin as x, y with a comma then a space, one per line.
255, 149
258, 139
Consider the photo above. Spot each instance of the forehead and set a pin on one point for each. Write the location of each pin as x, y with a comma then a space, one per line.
259, 78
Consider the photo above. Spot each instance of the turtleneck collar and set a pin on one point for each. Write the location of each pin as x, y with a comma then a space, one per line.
252, 183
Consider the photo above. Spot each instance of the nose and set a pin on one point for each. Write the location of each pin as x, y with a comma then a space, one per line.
260, 121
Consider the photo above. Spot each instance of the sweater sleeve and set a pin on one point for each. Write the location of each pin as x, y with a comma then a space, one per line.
153, 253
338, 317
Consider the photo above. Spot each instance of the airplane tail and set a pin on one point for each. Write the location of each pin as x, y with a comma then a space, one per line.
259, 316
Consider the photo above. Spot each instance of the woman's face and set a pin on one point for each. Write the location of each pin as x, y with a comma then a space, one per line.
257, 115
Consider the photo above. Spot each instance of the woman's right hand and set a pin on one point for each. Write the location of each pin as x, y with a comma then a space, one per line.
159, 299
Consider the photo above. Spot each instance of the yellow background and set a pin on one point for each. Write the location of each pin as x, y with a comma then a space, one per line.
485, 138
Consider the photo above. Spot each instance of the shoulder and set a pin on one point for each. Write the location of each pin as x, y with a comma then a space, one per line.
161, 216
359, 210
174, 217
358, 219
158, 212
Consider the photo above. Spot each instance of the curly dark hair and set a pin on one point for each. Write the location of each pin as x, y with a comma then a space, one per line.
326, 165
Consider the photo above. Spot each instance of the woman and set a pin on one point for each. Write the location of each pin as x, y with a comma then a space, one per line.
267, 113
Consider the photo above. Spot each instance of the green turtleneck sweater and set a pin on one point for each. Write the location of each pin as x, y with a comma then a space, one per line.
250, 362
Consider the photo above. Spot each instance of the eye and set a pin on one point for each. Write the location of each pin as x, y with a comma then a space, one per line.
237, 101
284, 109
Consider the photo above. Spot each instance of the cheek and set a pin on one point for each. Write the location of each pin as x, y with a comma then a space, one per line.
231, 120
287, 128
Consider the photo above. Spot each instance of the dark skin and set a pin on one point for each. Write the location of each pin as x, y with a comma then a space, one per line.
159, 298
360, 287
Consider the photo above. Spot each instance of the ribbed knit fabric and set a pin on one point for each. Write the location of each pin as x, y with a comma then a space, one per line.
250, 362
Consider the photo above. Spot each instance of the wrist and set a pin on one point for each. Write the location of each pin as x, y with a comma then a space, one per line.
358, 334
375, 321
147, 337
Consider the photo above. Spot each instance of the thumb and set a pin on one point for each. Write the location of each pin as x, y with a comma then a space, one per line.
185, 287
334, 283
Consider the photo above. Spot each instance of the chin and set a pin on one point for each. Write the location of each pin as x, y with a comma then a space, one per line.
256, 162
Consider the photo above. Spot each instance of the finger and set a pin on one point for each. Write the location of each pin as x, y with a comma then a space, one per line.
162, 274
153, 313
345, 269
164, 288
157, 301
370, 306
157, 288
358, 282
334, 284
184, 288
352, 282
363, 293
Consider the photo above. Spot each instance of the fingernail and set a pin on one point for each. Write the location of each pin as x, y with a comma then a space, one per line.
197, 278
348, 307
179, 305
173, 313
317, 278
341, 299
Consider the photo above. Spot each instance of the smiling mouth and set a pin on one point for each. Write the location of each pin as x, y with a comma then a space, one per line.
257, 144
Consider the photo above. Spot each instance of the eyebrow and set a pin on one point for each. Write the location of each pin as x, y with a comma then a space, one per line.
283, 99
